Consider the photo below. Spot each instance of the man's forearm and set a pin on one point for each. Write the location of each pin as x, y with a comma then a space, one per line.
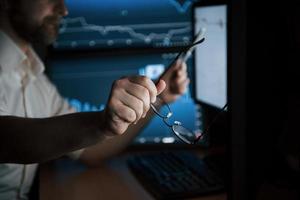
25, 140
96, 154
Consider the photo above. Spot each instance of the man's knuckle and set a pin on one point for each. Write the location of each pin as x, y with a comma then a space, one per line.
145, 92
120, 83
147, 107
144, 79
130, 115
140, 105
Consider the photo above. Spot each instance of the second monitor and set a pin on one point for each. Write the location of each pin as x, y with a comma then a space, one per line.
211, 56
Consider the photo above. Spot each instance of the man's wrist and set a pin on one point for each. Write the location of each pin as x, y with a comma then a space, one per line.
104, 128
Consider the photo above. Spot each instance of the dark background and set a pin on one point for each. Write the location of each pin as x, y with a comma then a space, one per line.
264, 96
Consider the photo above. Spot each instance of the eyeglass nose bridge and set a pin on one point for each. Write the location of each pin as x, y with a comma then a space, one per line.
169, 124
166, 118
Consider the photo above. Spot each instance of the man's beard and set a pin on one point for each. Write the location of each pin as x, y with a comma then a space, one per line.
45, 33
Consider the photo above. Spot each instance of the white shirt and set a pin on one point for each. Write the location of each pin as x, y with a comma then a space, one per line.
25, 91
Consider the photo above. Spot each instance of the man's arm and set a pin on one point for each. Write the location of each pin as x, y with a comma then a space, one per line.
25, 140
96, 154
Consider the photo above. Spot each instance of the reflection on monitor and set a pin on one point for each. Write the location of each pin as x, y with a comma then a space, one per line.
125, 24
211, 56
86, 82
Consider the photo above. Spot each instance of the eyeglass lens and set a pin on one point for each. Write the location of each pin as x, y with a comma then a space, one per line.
184, 134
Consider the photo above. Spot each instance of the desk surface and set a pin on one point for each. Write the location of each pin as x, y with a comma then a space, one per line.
113, 180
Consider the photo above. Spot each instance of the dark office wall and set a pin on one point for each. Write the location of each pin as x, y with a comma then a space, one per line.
266, 72
264, 58
270, 86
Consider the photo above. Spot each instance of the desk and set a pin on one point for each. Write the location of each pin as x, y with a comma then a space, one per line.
111, 181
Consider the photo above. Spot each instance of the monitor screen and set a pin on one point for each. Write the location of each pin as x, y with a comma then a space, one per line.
85, 81
211, 55
107, 24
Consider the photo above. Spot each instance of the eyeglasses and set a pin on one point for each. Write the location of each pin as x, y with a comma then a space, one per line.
163, 110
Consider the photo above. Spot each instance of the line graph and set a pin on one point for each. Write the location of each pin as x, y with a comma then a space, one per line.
131, 29
126, 23
127, 35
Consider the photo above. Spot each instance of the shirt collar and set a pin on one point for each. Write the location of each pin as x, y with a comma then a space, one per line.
12, 57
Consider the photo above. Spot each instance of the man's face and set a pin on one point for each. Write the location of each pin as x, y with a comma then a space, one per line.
37, 20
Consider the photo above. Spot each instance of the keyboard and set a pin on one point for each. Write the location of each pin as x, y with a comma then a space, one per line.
175, 174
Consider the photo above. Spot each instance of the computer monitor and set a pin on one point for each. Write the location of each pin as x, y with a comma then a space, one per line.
211, 57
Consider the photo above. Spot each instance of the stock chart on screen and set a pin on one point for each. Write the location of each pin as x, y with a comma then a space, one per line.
125, 23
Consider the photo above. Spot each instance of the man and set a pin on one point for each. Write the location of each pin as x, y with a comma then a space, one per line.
36, 124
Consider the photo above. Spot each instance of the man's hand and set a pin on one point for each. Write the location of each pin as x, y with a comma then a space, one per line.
129, 101
176, 81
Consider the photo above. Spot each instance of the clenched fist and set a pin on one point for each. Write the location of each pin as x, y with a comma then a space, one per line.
129, 101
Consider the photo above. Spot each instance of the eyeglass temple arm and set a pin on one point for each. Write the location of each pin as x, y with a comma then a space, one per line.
182, 53
209, 125
199, 38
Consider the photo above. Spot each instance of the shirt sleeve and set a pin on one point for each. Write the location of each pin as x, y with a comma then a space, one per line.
3, 105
